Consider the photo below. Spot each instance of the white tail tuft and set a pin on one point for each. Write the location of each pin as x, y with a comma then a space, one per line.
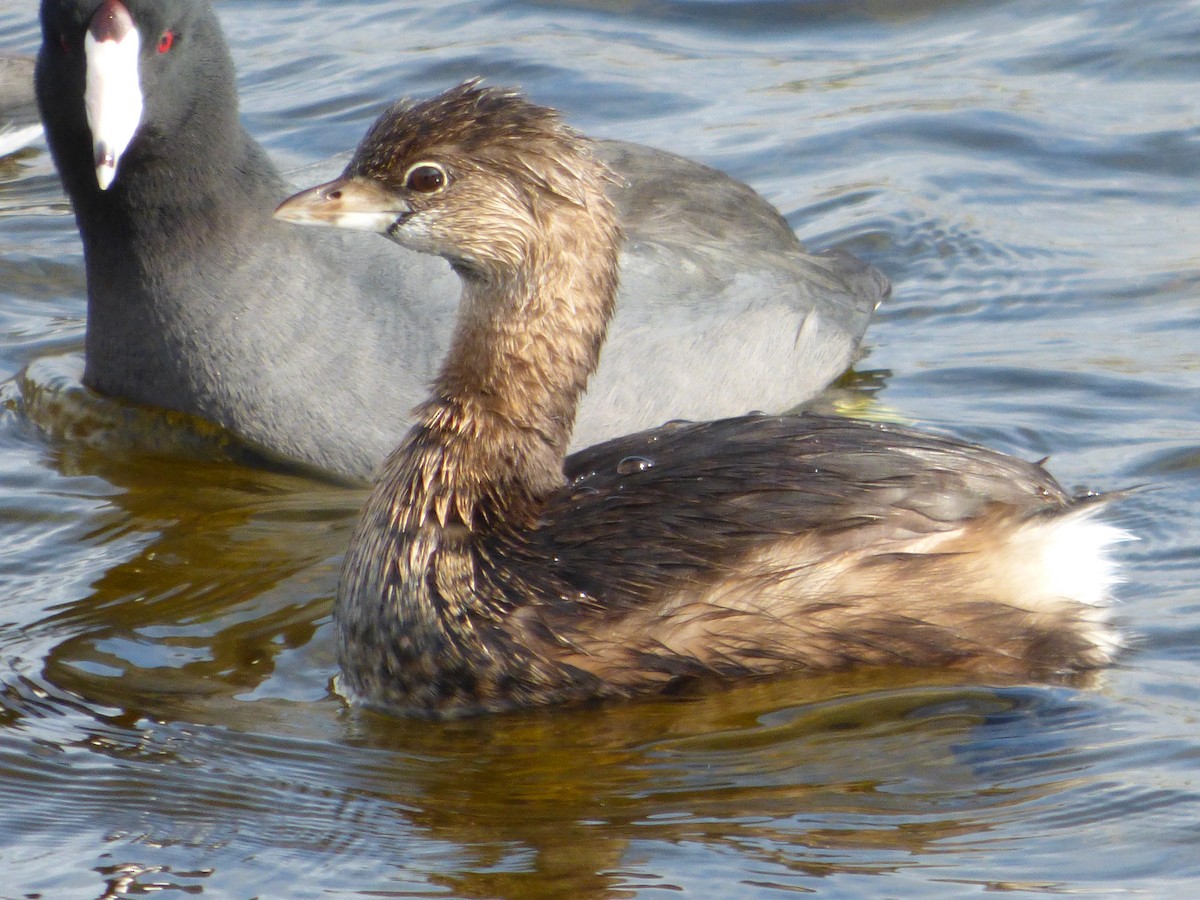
1067, 559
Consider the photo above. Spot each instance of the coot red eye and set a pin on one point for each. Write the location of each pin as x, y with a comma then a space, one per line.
166, 42
425, 178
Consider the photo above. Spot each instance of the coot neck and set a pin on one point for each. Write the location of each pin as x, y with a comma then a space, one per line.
208, 181
156, 245
192, 201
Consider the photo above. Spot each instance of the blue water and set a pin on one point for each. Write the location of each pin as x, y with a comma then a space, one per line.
1025, 172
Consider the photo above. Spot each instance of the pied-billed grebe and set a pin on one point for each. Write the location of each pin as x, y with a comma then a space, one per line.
315, 347
481, 577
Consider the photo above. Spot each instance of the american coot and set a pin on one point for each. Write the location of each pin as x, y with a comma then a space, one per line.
19, 125
316, 348
484, 575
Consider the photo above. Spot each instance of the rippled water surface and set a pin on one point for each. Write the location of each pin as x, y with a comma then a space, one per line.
1026, 172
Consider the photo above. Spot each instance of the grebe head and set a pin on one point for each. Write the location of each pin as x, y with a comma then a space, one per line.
477, 175
515, 201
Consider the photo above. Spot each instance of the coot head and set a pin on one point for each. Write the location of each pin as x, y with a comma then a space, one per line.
117, 78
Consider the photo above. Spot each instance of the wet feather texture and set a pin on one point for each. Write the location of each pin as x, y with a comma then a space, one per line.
484, 576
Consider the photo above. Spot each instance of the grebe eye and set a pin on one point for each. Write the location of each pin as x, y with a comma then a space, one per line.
166, 42
425, 178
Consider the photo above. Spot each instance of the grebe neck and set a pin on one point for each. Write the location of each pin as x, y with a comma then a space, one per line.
425, 581
527, 340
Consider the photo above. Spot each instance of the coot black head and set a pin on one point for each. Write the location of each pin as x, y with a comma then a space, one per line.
118, 78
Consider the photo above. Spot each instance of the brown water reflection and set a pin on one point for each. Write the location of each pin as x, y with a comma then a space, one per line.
191, 680
1025, 173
